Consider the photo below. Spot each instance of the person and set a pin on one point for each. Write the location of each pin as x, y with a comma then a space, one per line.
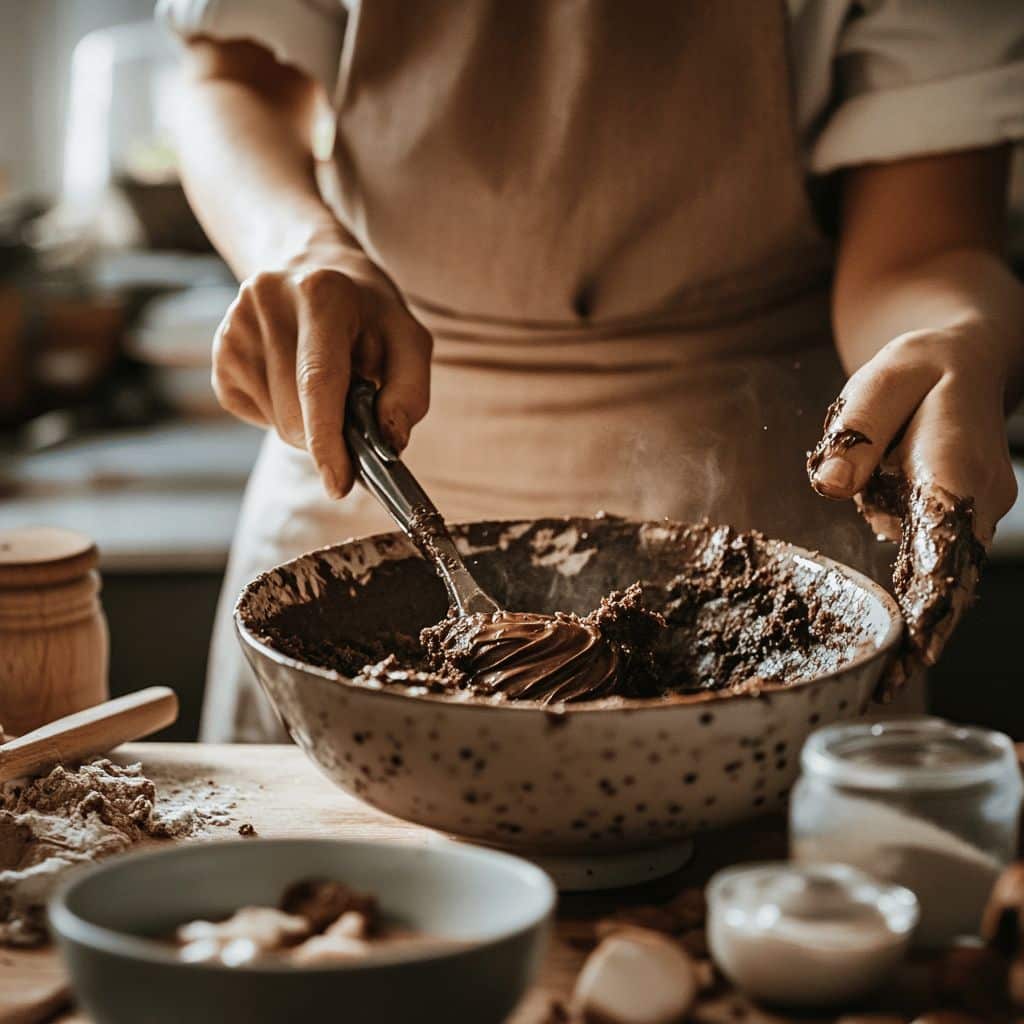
624, 254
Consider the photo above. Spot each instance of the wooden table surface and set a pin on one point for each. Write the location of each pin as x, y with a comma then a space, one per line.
278, 791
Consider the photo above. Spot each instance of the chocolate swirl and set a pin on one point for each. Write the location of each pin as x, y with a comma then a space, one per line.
525, 656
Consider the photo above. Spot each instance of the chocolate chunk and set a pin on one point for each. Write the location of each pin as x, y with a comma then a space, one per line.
322, 902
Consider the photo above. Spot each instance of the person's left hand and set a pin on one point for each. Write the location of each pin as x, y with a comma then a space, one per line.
918, 435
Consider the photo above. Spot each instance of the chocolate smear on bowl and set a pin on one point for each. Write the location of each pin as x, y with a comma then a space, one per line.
323, 901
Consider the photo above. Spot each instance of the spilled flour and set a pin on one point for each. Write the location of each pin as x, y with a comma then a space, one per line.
74, 816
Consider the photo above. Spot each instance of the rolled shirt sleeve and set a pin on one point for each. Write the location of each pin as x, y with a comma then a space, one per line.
914, 77
305, 34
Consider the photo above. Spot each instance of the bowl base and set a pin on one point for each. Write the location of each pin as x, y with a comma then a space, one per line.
579, 873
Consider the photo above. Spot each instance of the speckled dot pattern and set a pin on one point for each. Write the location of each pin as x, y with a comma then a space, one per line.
573, 780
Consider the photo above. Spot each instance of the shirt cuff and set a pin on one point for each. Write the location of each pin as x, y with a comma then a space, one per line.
297, 32
938, 116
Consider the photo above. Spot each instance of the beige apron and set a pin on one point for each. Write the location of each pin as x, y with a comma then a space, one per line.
598, 210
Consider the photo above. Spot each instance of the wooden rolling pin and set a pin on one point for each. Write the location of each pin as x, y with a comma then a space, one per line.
93, 731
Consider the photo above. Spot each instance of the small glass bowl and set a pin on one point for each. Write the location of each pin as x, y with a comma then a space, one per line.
807, 935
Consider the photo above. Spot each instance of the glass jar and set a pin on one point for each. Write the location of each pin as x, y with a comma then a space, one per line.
919, 802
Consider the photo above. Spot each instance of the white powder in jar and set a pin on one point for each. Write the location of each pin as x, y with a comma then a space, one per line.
951, 878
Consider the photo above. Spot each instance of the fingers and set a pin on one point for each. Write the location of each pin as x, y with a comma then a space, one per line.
329, 323
918, 435
875, 405
238, 376
405, 396
971, 466
245, 409
958, 484
276, 313
285, 352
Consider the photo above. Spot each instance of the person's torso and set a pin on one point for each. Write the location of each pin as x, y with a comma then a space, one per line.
581, 166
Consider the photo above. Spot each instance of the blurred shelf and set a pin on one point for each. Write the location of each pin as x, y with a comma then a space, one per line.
160, 499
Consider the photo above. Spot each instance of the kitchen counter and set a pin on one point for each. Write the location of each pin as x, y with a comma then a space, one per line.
163, 498
282, 794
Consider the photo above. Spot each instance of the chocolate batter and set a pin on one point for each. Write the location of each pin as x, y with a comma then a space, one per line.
524, 656
550, 658
728, 614
737, 613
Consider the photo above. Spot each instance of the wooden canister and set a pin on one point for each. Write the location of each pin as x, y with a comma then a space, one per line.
54, 646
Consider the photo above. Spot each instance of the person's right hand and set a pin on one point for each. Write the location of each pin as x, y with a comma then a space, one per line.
286, 349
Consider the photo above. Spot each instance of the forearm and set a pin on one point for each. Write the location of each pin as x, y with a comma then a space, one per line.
921, 248
946, 290
247, 166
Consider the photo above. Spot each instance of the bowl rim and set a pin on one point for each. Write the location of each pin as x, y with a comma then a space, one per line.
70, 926
882, 651
885, 892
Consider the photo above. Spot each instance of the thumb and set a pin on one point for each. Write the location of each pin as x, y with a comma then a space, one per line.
862, 423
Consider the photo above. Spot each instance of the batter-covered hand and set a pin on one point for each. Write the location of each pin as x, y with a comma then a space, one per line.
918, 436
285, 351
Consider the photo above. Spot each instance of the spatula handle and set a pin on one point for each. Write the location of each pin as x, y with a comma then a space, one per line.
93, 731
380, 470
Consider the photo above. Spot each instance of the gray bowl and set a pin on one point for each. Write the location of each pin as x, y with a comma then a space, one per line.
496, 906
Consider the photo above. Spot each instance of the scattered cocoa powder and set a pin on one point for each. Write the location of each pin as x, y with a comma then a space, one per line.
78, 815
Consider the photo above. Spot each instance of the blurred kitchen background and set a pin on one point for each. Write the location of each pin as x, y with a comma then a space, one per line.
109, 298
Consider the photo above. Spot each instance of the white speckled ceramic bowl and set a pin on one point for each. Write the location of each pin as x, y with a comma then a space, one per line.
621, 779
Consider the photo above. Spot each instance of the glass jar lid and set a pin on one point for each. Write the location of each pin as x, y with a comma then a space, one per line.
908, 753
761, 897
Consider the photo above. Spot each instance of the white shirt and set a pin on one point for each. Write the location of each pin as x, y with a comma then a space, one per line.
875, 80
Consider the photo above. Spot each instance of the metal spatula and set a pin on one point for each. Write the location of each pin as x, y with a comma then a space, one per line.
380, 470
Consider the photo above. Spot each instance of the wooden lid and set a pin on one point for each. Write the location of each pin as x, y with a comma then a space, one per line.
40, 555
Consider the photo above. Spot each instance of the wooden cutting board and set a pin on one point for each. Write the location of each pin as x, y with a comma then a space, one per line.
281, 793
